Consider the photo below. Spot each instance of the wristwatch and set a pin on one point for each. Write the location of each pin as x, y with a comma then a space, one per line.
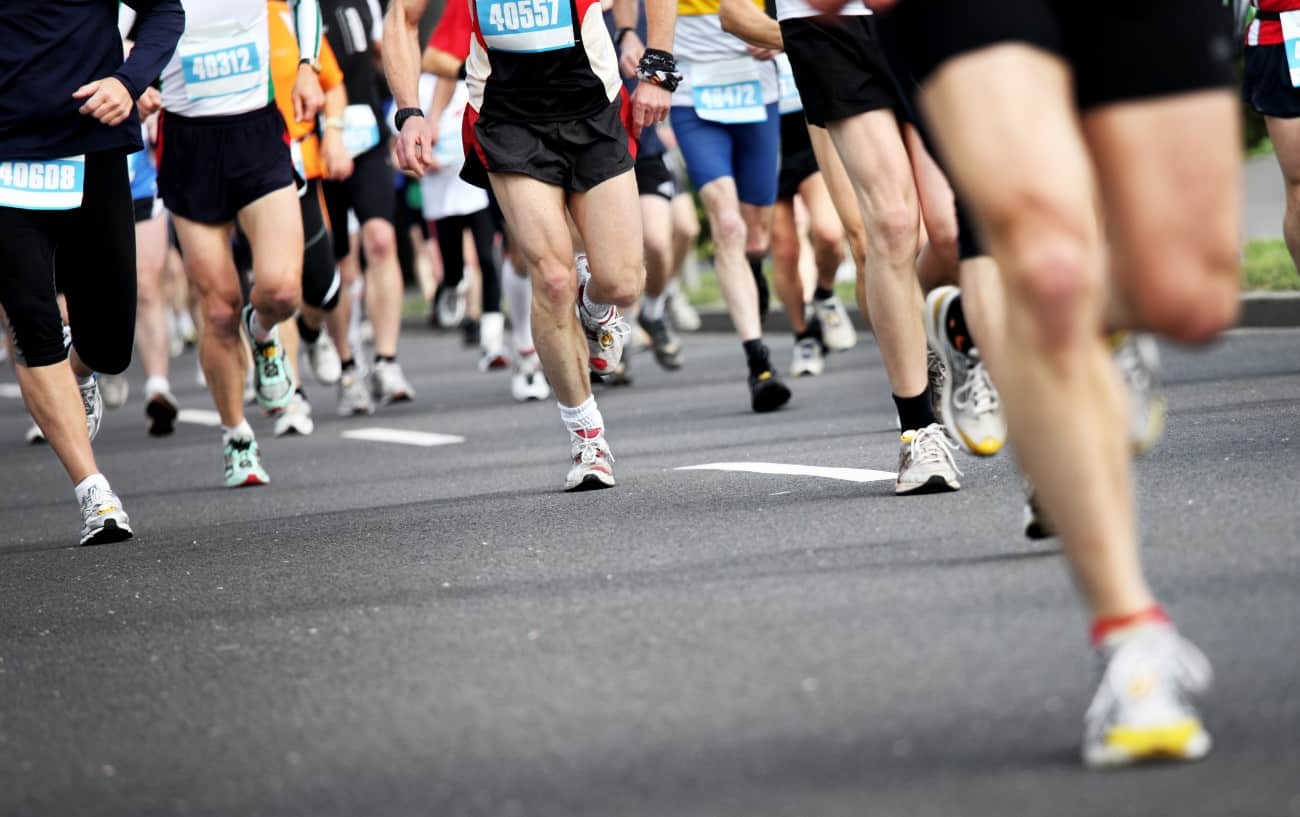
313, 64
403, 114
335, 122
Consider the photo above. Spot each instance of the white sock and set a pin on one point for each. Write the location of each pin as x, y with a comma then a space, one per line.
595, 310
260, 333
242, 430
652, 306
157, 385
92, 481
585, 417
519, 301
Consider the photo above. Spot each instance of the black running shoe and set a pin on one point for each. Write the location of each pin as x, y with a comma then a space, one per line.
767, 392
667, 351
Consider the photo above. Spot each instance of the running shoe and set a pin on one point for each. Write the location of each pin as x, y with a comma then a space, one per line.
925, 463
470, 333
323, 358
103, 521
936, 374
684, 317
837, 330
162, 413
592, 462
295, 418
621, 376
115, 389
389, 385
667, 350
1142, 710
492, 342
528, 382
354, 397
1138, 359
244, 463
605, 335
809, 358
767, 392
1036, 526
34, 435
272, 381
93, 403
968, 402
449, 306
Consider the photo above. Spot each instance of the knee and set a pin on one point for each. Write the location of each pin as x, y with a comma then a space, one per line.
686, 228
758, 240
1058, 286
625, 286
785, 251
944, 243
1190, 296
380, 240
281, 299
828, 236
555, 284
221, 316
893, 228
729, 230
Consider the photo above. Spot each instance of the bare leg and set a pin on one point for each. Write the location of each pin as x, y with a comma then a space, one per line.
730, 239
383, 284
785, 264
151, 310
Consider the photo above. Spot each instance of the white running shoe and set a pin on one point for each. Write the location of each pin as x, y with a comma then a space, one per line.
968, 402
528, 382
592, 462
34, 435
1138, 359
323, 358
103, 521
389, 385
354, 397
809, 360
1142, 710
116, 389
492, 342
93, 403
605, 336
683, 315
295, 418
837, 330
925, 463
449, 305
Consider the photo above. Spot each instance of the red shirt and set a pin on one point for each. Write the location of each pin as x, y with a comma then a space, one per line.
1269, 32
453, 30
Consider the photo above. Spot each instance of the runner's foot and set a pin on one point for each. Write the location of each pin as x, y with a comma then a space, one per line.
925, 463
1138, 359
968, 402
295, 418
388, 384
605, 331
667, 350
244, 462
837, 330
592, 462
103, 521
93, 403
272, 380
354, 397
161, 410
809, 360
323, 359
528, 382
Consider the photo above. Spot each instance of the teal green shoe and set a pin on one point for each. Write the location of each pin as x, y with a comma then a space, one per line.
272, 379
244, 463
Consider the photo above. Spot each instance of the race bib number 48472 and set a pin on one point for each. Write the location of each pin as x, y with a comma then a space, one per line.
54, 184
729, 91
526, 26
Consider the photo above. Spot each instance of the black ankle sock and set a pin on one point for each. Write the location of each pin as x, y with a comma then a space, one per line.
307, 334
916, 412
348, 365
760, 280
756, 356
958, 335
385, 358
812, 329
821, 293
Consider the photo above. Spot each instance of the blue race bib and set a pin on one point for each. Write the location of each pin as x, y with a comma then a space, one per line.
728, 91
1291, 42
221, 69
360, 129
53, 184
526, 26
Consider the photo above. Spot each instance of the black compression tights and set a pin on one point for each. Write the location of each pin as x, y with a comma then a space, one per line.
450, 230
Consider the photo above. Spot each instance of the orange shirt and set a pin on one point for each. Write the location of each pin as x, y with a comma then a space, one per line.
284, 71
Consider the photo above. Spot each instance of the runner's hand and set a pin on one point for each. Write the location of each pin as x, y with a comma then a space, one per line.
338, 164
650, 105
415, 146
149, 103
107, 100
630, 54
308, 98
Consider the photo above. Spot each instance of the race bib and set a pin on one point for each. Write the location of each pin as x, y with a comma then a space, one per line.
790, 101
1291, 41
220, 68
360, 129
52, 184
526, 26
728, 91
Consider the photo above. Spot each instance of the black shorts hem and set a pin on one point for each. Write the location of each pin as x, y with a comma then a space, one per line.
1266, 85
839, 68
653, 178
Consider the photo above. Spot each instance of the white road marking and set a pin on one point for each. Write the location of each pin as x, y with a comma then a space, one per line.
402, 437
11, 391
846, 474
199, 417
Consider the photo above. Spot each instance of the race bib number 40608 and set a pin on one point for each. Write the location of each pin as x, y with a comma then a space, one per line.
526, 26
54, 184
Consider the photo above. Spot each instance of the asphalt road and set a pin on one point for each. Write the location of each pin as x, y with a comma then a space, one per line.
400, 630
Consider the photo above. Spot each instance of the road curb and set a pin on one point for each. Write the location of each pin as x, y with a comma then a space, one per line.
1259, 310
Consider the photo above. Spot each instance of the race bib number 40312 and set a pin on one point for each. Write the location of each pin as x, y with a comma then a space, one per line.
526, 26
54, 184
221, 69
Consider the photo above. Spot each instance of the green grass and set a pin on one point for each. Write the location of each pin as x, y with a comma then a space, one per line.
1269, 267
1264, 147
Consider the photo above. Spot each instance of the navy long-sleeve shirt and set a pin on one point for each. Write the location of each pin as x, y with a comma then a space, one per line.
50, 48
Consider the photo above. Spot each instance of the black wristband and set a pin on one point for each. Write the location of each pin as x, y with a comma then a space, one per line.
620, 34
659, 68
403, 114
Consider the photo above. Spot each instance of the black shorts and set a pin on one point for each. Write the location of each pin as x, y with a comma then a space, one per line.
145, 209
574, 155
214, 166
653, 178
798, 161
368, 192
1266, 85
839, 67
95, 248
1119, 51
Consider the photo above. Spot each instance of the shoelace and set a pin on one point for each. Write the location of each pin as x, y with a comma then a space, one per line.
976, 391
91, 500
934, 368
931, 445
590, 449
88, 397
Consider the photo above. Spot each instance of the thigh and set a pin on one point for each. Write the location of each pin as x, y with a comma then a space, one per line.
706, 147
656, 222
209, 261
756, 159
871, 147
938, 202
535, 211
1285, 134
338, 201
839, 188
273, 225
817, 198
27, 291
151, 252
608, 218
371, 186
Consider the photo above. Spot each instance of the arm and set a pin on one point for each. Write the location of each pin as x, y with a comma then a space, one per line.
443, 90
748, 22
629, 45
338, 164
414, 147
650, 102
441, 64
308, 98
110, 99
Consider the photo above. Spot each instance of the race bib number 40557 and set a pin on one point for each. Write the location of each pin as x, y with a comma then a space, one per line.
526, 26
54, 184
220, 69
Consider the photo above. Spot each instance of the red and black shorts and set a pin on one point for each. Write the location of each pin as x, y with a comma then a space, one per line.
576, 155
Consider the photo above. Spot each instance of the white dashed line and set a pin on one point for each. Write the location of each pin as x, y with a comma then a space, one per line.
11, 391
846, 474
199, 417
402, 437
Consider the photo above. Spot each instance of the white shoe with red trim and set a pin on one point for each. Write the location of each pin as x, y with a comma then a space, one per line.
593, 462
